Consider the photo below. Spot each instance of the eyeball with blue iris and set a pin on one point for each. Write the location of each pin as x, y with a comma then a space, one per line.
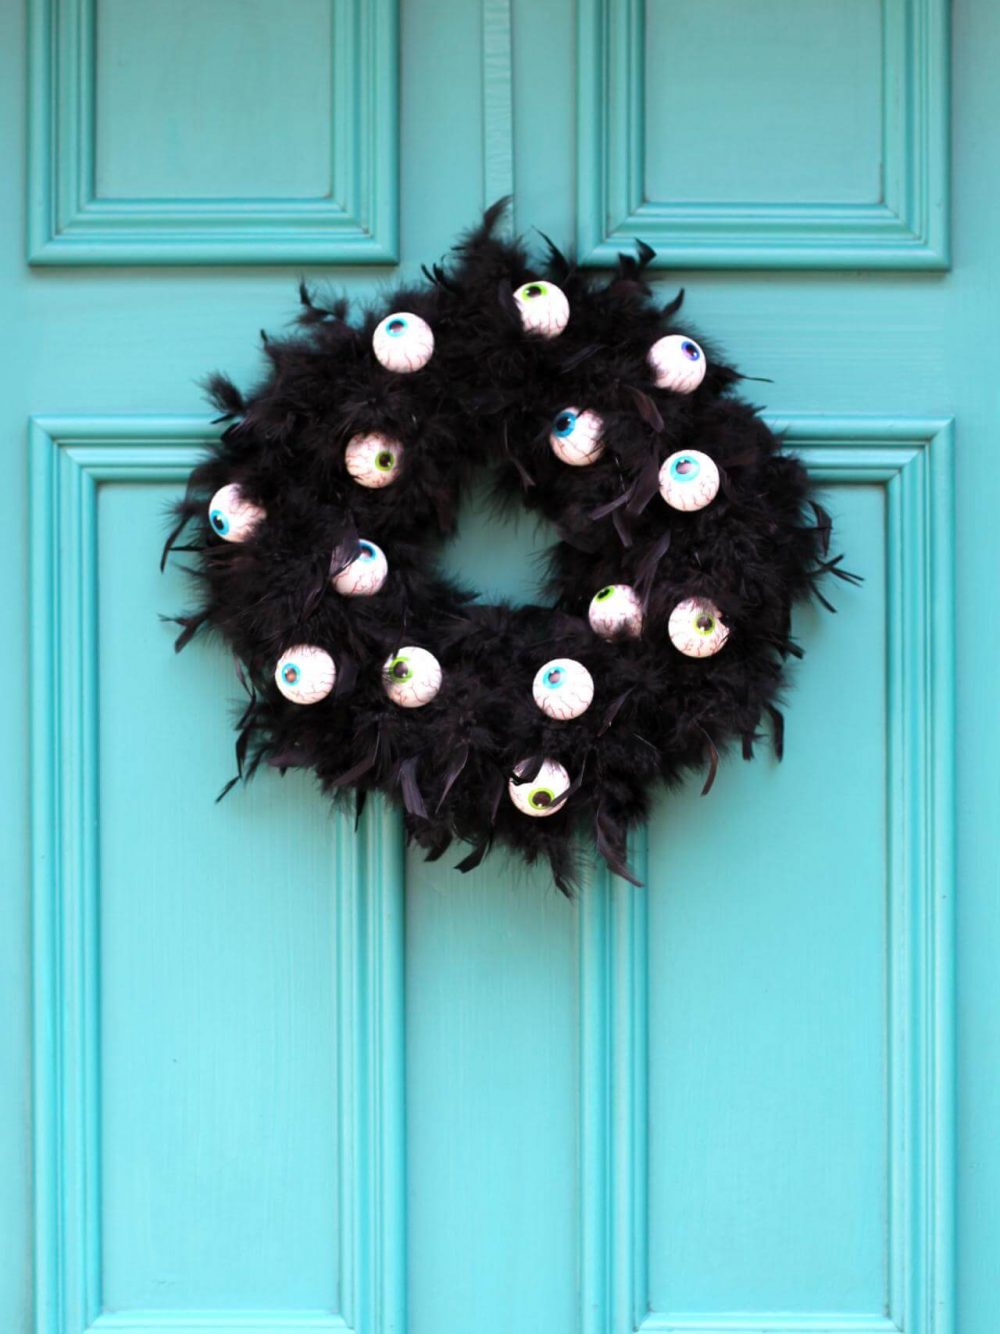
677, 363
577, 437
545, 793
689, 480
563, 688
696, 628
411, 677
305, 674
231, 516
373, 460
403, 342
616, 613
365, 574
543, 308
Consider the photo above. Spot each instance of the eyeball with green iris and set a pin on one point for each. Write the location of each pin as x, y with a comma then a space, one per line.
231, 516
696, 628
577, 437
563, 688
365, 574
677, 363
616, 613
305, 674
544, 794
373, 460
411, 677
689, 480
543, 308
403, 342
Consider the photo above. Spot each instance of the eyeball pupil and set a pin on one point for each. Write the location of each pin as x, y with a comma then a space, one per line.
366, 552
534, 289
565, 422
395, 327
384, 460
705, 623
218, 520
683, 467
290, 674
690, 350
605, 593
554, 677
541, 799
400, 670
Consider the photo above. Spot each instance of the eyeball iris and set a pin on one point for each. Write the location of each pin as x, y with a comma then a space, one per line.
689, 480
577, 437
545, 794
563, 688
543, 308
373, 460
677, 363
231, 516
411, 677
696, 628
616, 613
403, 342
305, 674
365, 574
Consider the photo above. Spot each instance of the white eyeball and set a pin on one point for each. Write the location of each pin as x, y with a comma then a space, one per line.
543, 308
403, 342
373, 460
541, 796
365, 574
696, 628
677, 363
563, 688
577, 437
689, 480
411, 677
305, 674
232, 517
616, 613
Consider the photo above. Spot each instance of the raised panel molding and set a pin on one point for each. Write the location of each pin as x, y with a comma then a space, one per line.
907, 227
68, 224
912, 462
71, 458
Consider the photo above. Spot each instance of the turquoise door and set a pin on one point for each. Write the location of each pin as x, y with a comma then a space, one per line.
261, 1075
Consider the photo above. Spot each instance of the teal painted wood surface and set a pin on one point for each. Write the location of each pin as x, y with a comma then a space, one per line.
261, 1073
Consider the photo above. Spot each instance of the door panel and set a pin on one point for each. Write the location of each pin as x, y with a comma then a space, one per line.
265, 1072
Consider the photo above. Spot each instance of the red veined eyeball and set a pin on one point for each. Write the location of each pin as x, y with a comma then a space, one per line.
545, 794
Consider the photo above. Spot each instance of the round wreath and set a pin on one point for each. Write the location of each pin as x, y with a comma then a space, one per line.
685, 536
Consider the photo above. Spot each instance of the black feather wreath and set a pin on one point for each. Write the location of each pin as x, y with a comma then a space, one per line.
685, 538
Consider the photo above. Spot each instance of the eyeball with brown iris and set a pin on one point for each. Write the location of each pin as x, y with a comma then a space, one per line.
305, 674
364, 575
563, 688
577, 437
542, 795
411, 677
373, 460
689, 480
696, 628
543, 308
231, 516
677, 363
403, 342
616, 612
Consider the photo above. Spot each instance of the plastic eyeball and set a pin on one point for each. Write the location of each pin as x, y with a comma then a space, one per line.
577, 437
411, 677
696, 628
305, 674
616, 613
231, 517
563, 688
365, 574
373, 460
677, 363
542, 795
543, 308
403, 342
689, 480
